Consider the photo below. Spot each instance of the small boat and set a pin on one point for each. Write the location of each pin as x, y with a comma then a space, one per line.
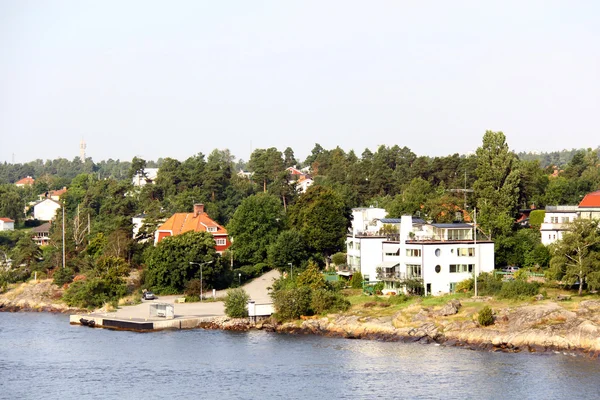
87, 322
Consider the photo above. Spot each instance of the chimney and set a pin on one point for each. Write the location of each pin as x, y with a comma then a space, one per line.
198, 209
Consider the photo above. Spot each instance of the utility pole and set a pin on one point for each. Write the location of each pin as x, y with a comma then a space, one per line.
476, 249
63, 235
464, 191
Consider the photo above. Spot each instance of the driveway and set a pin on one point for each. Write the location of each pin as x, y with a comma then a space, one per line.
257, 289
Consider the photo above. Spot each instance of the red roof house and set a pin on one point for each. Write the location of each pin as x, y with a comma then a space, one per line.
27, 181
196, 221
591, 200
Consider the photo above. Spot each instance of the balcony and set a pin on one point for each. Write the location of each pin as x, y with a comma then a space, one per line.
396, 276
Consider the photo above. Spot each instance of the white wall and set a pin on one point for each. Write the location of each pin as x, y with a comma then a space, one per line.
7, 226
46, 210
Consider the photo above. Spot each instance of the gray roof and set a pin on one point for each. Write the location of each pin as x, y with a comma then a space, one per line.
455, 226
398, 220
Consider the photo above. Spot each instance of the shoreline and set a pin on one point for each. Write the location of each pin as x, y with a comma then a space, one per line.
542, 327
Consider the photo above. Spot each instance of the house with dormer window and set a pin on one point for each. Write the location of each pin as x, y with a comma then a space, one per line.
196, 221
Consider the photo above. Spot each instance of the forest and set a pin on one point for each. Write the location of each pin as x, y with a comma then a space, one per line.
272, 223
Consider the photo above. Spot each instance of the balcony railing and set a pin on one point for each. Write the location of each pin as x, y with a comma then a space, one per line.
396, 276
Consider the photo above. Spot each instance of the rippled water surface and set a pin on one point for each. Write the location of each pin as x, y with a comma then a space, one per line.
43, 357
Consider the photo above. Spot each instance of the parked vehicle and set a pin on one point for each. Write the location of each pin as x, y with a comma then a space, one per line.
511, 269
148, 296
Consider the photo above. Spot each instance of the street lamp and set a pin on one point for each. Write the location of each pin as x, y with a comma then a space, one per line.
291, 271
200, 264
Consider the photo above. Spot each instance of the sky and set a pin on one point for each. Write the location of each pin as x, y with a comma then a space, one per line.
173, 79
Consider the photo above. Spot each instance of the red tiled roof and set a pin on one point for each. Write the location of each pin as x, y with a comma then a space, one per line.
25, 181
6, 220
185, 222
591, 200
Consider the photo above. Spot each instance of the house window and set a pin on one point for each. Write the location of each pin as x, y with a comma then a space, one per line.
452, 287
460, 268
438, 252
221, 242
212, 229
466, 252
413, 252
554, 220
565, 220
438, 269
413, 271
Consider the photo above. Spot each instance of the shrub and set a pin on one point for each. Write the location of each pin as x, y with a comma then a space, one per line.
536, 217
485, 317
194, 288
465, 286
311, 277
94, 292
63, 275
517, 289
398, 299
378, 287
356, 281
339, 258
488, 284
292, 303
323, 301
414, 287
236, 303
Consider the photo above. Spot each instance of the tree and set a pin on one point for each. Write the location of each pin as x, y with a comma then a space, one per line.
497, 184
289, 248
322, 218
267, 165
576, 258
168, 264
255, 225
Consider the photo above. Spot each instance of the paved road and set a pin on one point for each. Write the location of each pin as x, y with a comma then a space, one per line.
257, 289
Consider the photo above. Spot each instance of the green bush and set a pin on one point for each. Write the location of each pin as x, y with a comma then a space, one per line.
378, 287
485, 317
311, 277
488, 284
356, 280
63, 275
93, 293
518, 289
236, 303
536, 217
465, 286
194, 288
292, 303
323, 301
414, 287
339, 258
398, 299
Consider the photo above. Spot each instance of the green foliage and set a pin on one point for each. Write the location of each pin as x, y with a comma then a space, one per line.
485, 317
63, 275
292, 303
236, 303
339, 258
194, 288
488, 284
254, 226
93, 293
576, 258
536, 217
323, 301
378, 287
168, 264
497, 184
356, 280
414, 287
465, 286
322, 218
521, 248
518, 289
311, 277
288, 248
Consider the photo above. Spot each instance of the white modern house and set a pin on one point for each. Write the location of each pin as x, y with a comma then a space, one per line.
556, 222
557, 218
45, 210
395, 250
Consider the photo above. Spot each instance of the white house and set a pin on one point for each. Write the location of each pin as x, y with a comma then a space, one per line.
303, 183
7, 224
556, 222
45, 210
149, 176
440, 255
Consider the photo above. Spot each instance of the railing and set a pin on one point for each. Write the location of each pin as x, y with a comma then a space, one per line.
396, 276
562, 208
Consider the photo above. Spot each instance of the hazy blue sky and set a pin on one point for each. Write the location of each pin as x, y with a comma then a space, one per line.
174, 78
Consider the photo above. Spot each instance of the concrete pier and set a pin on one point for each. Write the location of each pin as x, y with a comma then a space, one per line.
140, 324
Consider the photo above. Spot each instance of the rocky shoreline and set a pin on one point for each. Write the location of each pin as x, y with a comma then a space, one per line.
539, 328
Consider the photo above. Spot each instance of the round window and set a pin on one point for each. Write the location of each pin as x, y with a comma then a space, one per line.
438, 252
438, 269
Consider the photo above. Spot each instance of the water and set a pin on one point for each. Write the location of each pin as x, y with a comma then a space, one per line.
43, 357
